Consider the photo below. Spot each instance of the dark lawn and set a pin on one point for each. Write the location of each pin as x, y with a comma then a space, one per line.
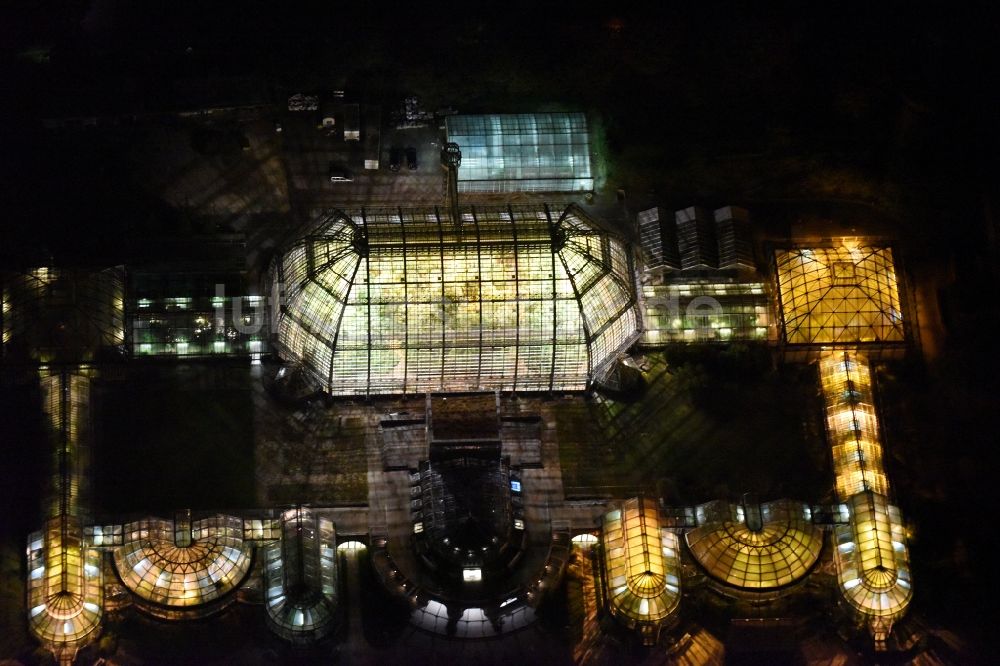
712, 424
174, 438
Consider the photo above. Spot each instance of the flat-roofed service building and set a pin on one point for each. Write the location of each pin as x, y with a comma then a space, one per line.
528, 152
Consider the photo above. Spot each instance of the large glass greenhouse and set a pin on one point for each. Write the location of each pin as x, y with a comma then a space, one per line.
410, 301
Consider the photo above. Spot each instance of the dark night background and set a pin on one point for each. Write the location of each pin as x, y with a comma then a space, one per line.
874, 114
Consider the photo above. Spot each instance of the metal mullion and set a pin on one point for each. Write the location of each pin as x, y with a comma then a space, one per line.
517, 298
479, 268
63, 475
555, 302
851, 387
583, 317
368, 301
340, 319
128, 315
406, 303
437, 216
781, 292
331, 260
312, 333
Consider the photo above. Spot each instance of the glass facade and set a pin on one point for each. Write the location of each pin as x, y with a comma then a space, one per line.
531, 152
194, 314
872, 558
641, 564
873, 567
175, 568
396, 301
839, 295
197, 326
410, 301
756, 547
65, 587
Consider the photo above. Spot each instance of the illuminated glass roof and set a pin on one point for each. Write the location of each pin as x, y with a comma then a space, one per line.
531, 152
851, 424
872, 558
407, 301
300, 577
742, 548
178, 566
642, 563
66, 405
65, 593
873, 568
839, 295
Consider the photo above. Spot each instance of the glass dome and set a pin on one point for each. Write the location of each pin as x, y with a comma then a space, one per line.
756, 547
180, 567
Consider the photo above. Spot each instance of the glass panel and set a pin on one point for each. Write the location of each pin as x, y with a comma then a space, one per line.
416, 303
540, 152
641, 563
779, 551
839, 295
175, 575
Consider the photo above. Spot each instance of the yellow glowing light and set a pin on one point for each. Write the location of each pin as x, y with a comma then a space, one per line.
514, 299
156, 569
642, 564
781, 551
871, 555
841, 295
65, 590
